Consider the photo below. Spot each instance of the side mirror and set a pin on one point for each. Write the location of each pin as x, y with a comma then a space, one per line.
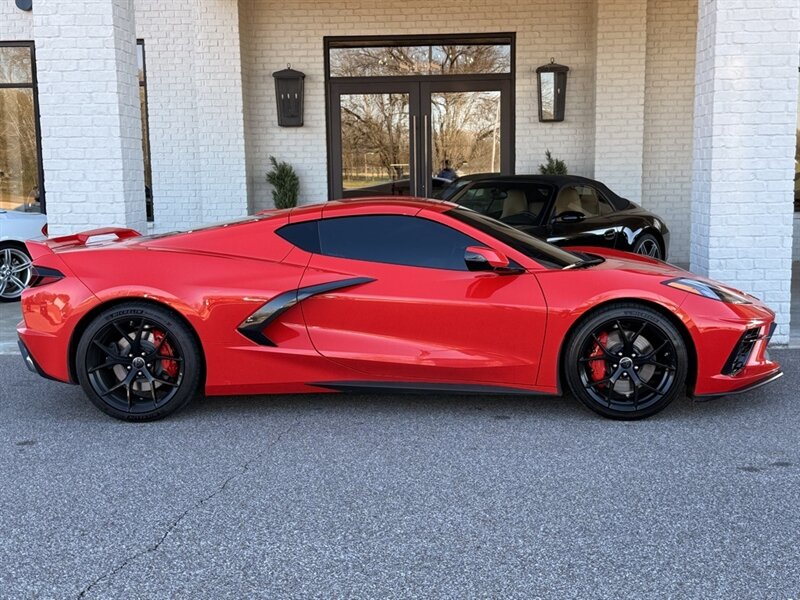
481, 258
569, 216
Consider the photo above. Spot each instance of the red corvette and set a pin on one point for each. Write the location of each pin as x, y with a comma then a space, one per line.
380, 294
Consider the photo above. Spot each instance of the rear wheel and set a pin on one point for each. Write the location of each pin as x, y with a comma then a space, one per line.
16, 271
626, 362
138, 362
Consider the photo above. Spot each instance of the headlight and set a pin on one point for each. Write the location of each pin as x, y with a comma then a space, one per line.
708, 290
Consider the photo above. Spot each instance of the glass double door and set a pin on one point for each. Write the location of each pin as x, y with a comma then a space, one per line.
412, 138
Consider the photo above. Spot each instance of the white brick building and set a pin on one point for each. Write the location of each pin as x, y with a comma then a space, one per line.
689, 110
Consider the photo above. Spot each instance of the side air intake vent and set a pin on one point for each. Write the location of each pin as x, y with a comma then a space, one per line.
740, 354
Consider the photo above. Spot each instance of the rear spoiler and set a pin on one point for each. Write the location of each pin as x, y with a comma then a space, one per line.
52, 245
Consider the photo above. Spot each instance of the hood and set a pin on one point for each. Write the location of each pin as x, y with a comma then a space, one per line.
636, 263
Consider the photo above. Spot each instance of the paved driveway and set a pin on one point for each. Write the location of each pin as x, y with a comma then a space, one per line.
10, 315
398, 496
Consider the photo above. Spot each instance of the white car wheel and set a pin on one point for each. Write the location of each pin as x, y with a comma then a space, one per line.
16, 272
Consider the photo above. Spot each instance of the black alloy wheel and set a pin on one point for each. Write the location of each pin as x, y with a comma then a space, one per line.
138, 362
626, 362
647, 245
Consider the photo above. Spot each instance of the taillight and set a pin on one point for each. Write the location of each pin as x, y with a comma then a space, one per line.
44, 230
44, 275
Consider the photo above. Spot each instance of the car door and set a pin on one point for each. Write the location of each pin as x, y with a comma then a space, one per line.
581, 216
414, 311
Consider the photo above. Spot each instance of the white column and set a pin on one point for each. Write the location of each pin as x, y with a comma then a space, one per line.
90, 116
744, 147
619, 95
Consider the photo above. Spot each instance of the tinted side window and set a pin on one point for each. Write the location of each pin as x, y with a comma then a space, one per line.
507, 200
303, 235
582, 199
486, 200
395, 239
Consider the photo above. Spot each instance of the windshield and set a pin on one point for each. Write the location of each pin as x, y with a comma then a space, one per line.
451, 190
542, 252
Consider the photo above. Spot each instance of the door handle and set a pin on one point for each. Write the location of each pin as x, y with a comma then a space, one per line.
609, 235
426, 177
414, 163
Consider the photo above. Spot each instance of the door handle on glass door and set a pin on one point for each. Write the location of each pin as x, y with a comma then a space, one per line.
425, 168
412, 171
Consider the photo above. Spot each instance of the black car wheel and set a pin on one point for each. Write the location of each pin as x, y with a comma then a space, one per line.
16, 271
626, 362
138, 362
647, 245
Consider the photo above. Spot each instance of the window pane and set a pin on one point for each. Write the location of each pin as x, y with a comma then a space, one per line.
140, 60
376, 144
395, 239
19, 161
148, 172
465, 129
455, 59
15, 64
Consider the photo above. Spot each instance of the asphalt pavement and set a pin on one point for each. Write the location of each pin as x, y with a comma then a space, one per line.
393, 496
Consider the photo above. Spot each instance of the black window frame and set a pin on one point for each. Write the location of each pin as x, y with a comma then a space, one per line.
34, 86
427, 84
148, 163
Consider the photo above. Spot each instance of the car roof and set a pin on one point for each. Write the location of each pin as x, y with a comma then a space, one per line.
411, 202
535, 178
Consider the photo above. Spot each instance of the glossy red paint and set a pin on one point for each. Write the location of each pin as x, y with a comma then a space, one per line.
404, 324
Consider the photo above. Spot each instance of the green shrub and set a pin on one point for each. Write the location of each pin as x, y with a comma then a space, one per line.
285, 184
553, 166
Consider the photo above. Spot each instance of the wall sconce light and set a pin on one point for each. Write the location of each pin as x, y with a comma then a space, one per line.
25, 5
289, 96
552, 91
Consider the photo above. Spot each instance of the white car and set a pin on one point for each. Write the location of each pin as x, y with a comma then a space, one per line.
16, 270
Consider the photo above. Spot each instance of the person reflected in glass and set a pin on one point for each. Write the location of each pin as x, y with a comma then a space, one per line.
448, 172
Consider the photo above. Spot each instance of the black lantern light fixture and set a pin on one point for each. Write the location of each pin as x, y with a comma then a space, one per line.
289, 96
25, 5
552, 91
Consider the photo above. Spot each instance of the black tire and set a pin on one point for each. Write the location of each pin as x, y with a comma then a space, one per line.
139, 362
16, 271
618, 348
648, 245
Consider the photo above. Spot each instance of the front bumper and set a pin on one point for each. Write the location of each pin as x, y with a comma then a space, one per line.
731, 347
745, 388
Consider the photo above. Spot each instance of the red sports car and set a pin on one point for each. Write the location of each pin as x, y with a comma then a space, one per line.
380, 294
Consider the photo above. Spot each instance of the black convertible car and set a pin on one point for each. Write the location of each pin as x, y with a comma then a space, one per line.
563, 209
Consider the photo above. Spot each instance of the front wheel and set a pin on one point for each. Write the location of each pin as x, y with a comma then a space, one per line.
138, 362
627, 361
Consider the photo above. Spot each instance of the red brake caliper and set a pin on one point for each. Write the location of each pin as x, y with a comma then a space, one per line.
598, 367
170, 366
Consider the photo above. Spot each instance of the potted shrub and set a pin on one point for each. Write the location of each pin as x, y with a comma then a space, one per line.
285, 184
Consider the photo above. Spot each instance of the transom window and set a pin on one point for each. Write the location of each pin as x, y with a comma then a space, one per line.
405, 57
21, 179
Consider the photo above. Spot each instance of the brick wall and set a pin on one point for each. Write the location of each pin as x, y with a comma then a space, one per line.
195, 109
744, 148
619, 95
90, 123
275, 33
669, 107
